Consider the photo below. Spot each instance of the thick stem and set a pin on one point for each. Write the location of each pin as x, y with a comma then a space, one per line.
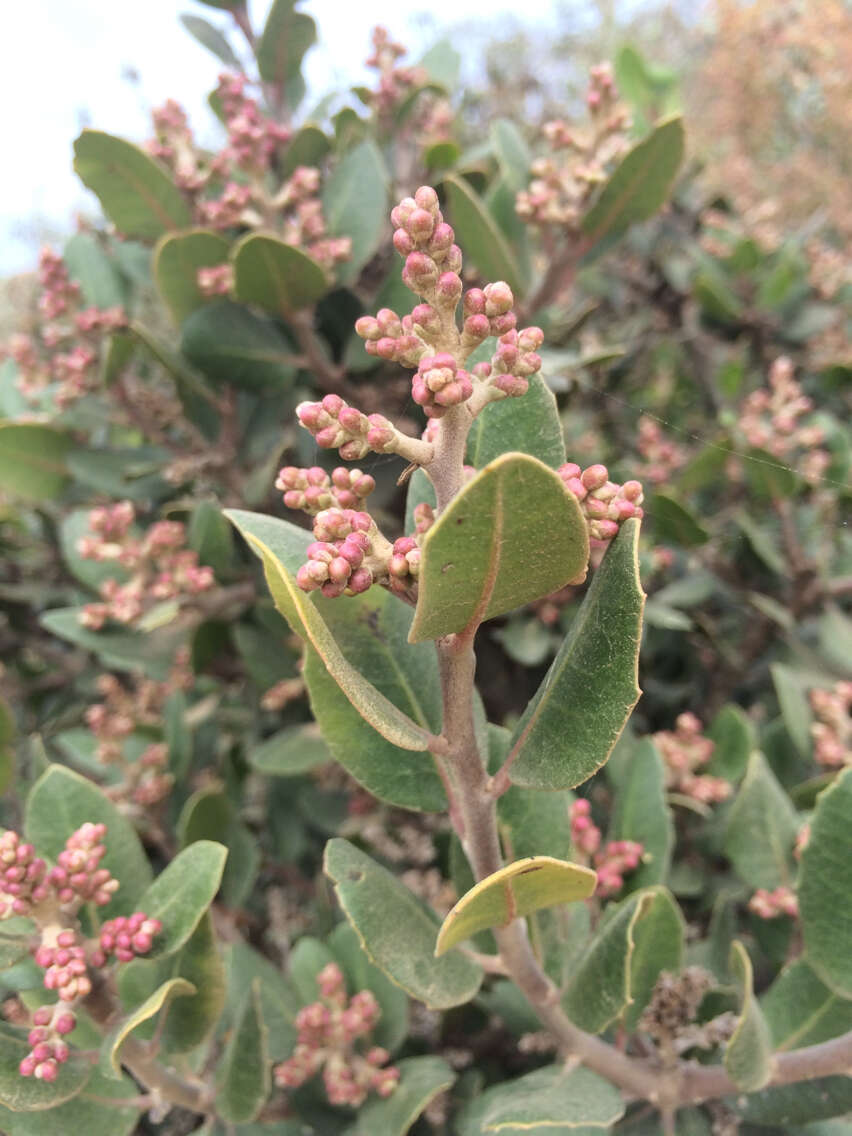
446, 469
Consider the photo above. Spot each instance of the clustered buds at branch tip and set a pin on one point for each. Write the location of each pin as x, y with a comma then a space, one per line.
612, 862
312, 490
685, 750
604, 503
832, 730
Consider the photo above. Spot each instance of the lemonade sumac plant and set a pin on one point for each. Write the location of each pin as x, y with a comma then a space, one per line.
430, 821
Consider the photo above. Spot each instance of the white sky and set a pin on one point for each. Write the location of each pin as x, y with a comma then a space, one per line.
63, 65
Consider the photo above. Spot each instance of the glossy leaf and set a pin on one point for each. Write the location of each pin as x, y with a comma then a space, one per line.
150, 1008
517, 890
398, 930
291, 752
135, 191
639, 185
286, 37
529, 425
570, 727
477, 233
421, 1079
176, 261
801, 1010
244, 1070
33, 460
762, 828
558, 1099
641, 814
232, 345
275, 276
510, 536
59, 803
26, 1094
749, 1051
182, 893
824, 887
209, 36
355, 203
266, 535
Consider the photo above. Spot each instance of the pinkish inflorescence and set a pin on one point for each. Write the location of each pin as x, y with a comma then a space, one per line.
604, 503
312, 490
832, 730
771, 419
612, 862
328, 1032
770, 904
685, 750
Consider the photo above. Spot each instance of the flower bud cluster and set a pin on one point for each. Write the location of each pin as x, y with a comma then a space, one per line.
303, 219
51, 1024
338, 426
832, 731
394, 83
218, 280
565, 181
404, 564
685, 750
440, 384
770, 904
662, 456
585, 835
64, 350
604, 503
159, 565
328, 1032
770, 419
253, 138
336, 559
77, 877
312, 490
613, 861
126, 937
64, 964
23, 876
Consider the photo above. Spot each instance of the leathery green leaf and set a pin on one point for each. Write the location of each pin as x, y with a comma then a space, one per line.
286, 37
570, 727
825, 882
640, 184
244, 1071
32, 460
762, 828
749, 1051
174, 988
801, 1010
355, 202
529, 425
420, 1081
264, 535
641, 814
518, 889
177, 259
477, 232
512, 535
182, 893
275, 276
636, 939
559, 1100
98, 1110
135, 191
397, 930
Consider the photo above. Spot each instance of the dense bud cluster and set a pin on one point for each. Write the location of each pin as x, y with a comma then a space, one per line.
215, 281
684, 750
440, 384
23, 882
585, 835
336, 559
312, 490
328, 1030
662, 457
770, 904
159, 566
126, 937
565, 181
404, 564
613, 861
771, 420
64, 964
338, 426
64, 353
395, 83
832, 730
77, 877
604, 503
51, 1024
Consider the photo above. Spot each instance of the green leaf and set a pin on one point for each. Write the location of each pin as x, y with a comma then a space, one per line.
192, 1019
12, 951
800, 1010
420, 491
244, 1072
391, 1029
59, 803
762, 828
269, 539
477, 233
182, 893
512, 535
641, 814
355, 203
291, 752
825, 881
119, 650
176, 261
748, 1054
421, 1079
442, 63
398, 930
733, 734
278, 998
286, 37
517, 890
569, 729
232, 345
90, 265
210, 535
307, 147
210, 815
674, 524
557, 1100
529, 425
26, 1094
795, 708
533, 823
798, 1104
135, 191
209, 36
32, 460
640, 184
89, 1110
275, 276
513, 154
174, 988
636, 940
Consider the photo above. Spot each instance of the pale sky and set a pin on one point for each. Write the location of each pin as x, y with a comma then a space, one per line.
63, 69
